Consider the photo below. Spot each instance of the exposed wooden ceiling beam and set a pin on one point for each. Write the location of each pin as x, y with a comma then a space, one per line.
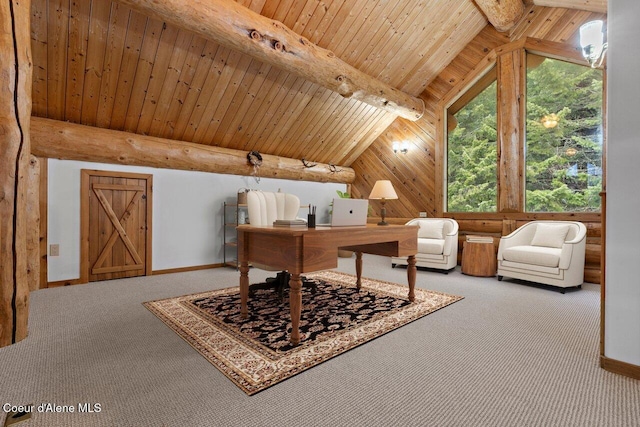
68, 141
503, 14
241, 29
599, 6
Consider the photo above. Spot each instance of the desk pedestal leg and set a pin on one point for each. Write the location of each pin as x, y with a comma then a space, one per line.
295, 305
244, 288
411, 276
358, 270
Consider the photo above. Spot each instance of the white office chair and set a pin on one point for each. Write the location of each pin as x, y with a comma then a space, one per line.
263, 209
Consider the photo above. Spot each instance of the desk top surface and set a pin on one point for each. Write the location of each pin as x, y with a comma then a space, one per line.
369, 228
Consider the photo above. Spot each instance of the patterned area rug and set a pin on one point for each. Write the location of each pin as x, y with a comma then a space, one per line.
255, 353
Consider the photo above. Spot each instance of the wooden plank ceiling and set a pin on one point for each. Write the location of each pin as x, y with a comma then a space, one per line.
101, 64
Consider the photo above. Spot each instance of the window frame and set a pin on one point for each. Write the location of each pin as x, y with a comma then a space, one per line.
491, 67
550, 49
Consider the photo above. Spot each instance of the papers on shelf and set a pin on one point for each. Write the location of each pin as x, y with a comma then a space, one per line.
289, 223
479, 239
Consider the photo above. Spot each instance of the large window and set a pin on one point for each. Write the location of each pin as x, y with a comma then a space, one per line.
472, 150
563, 136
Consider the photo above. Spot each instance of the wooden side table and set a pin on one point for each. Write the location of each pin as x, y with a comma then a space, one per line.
479, 258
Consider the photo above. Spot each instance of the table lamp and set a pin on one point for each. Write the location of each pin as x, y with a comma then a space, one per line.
383, 191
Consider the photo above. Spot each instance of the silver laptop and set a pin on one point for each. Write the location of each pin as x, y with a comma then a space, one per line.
348, 212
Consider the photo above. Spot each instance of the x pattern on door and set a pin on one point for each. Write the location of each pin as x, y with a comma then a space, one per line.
119, 225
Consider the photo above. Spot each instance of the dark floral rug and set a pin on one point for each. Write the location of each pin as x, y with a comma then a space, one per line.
255, 352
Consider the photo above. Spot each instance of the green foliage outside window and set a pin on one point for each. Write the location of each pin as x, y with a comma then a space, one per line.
563, 162
472, 157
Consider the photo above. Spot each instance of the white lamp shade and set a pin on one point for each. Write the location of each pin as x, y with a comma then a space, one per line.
591, 34
383, 190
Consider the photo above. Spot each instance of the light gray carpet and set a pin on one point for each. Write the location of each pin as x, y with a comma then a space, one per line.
506, 355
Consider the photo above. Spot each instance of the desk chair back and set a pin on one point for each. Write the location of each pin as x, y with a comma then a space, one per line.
265, 207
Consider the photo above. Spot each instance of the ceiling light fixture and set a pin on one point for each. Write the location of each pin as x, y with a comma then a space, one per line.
402, 147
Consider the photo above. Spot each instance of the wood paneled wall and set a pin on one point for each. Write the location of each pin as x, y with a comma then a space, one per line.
418, 176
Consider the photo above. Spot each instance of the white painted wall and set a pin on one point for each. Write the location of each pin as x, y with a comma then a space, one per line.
622, 304
187, 212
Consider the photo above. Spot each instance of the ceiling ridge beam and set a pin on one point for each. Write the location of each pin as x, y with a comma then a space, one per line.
502, 14
239, 28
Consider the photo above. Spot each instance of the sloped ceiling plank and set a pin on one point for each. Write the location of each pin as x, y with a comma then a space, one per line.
255, 79
291, 119
340, 124
126, 76
323, 103
322, 17
367, 137
209, 73
39, 33
299, 57
176, 102
444, 49
255, 5
58, 12
349, 127
174, 43
228, 84
544, 22
112, 62
144, 70
269, 102
181, 67
567, 26
201, 78
599, 6
366, 41
224, 57
344, 29
407, 43
260, 103
96, 48
534, 21
278, 103
78, 40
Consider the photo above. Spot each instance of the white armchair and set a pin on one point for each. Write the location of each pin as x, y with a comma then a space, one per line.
548, 252
437, 244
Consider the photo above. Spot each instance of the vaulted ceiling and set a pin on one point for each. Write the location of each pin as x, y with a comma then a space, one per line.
102, 64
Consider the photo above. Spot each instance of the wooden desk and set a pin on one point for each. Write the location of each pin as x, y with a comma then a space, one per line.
303, 250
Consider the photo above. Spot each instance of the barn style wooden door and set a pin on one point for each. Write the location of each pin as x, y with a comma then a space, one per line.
116, 225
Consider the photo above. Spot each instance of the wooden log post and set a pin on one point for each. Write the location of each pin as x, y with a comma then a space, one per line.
15, 112
511, 115
239, 28
68, 141
503, 14
33, 224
